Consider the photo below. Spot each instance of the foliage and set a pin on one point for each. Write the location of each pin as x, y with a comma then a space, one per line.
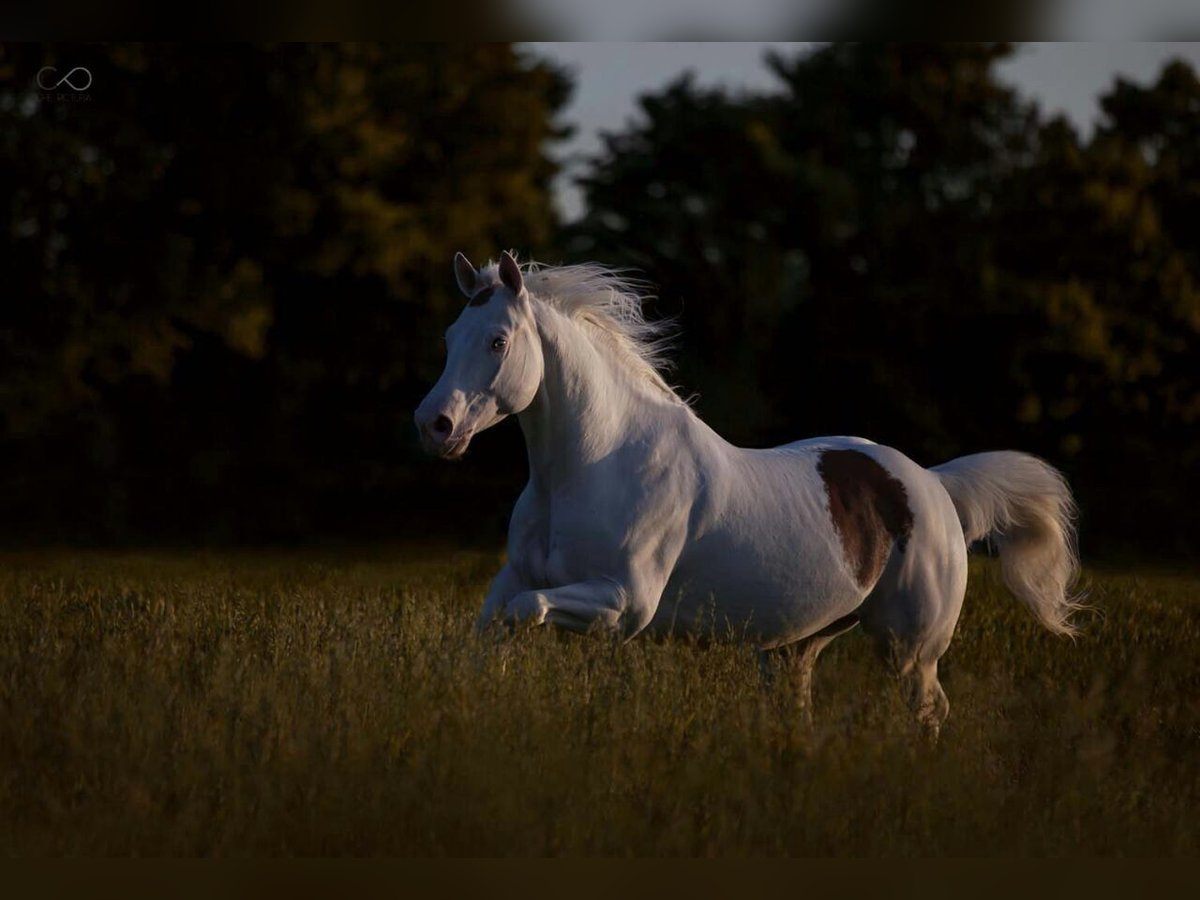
223, 269
337, 703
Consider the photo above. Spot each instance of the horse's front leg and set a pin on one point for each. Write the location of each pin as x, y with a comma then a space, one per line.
601, 604
505, 586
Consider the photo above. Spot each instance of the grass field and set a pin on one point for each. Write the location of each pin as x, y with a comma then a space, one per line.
337, 703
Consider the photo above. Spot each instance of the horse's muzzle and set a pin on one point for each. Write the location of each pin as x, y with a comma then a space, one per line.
438, 437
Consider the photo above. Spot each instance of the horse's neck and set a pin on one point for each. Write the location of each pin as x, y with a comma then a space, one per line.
587, 405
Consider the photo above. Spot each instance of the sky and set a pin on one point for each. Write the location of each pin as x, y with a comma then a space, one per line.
1062, 77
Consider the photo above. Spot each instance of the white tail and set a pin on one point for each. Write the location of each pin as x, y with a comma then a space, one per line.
1024, 507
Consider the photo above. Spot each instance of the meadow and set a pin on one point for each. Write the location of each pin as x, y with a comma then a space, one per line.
337, 702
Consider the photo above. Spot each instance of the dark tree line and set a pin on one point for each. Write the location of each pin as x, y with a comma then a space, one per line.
225, 273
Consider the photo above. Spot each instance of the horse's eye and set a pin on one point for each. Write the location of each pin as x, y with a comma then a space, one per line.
499, 343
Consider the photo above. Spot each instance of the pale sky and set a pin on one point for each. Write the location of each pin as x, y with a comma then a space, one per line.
609, 76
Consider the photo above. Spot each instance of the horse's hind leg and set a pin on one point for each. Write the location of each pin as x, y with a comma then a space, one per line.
804, 655
810, 648
911, 614
923, 692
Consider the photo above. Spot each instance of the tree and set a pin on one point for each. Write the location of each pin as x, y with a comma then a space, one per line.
223, 265
1099, 248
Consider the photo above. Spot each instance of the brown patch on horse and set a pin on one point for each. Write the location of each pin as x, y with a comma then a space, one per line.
482, 297
869, 507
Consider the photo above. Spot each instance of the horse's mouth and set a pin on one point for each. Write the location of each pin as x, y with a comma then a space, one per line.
452, 449
455, 449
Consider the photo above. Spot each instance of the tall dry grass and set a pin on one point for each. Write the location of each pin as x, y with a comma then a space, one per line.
295, 703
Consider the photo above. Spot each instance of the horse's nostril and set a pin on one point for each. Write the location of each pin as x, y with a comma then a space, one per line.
442, 426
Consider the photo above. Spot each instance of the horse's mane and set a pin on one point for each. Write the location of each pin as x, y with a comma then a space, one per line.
611, 302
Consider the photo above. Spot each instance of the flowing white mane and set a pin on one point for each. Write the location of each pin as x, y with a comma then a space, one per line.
610, 302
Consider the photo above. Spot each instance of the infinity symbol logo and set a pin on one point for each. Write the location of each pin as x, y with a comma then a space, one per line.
42, 78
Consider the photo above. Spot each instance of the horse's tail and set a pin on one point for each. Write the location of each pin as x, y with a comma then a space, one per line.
1024, 507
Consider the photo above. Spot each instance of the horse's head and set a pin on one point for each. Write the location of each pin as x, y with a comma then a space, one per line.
493, 359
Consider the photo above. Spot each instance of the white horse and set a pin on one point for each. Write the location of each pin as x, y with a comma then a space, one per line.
638, 516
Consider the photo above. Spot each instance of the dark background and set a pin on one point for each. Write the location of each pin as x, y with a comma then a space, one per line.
224, 274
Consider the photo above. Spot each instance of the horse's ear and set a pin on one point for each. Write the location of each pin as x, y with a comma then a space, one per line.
510, 274
465, 274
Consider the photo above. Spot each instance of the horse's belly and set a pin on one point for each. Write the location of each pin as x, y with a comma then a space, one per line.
766, 592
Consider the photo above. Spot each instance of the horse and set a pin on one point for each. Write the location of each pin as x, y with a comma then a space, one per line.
639, 518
